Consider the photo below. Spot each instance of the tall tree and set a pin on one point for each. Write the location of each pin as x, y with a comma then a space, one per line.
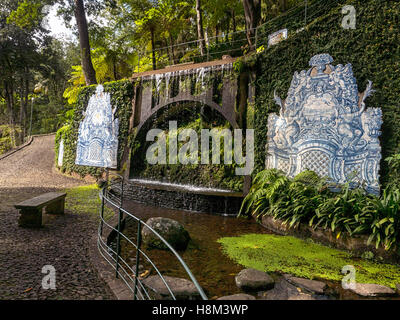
252, 10
200, 29
87, 66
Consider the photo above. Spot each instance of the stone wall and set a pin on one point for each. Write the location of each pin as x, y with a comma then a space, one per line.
181, 200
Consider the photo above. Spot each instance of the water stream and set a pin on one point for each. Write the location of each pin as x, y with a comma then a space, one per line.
214, 271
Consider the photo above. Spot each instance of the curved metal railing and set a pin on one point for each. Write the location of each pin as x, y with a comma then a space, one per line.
112, 253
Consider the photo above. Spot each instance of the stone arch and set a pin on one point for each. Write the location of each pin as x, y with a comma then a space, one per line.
227, 114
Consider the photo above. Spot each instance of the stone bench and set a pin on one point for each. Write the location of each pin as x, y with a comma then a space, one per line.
31, 210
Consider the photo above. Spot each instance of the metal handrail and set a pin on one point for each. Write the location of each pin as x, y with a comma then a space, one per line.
122, 269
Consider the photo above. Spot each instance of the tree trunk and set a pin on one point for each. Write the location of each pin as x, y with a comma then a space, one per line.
172, 48
87, 66
243, 96
233, 20
283, 5
24, 91
9, 90
166, 45
153, 49
252, 11
200, 30
228, 26
115, 68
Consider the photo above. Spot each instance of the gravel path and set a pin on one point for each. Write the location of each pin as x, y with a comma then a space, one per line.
63, 242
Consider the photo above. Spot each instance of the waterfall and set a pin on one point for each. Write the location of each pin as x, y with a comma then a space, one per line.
167, 78
158, 78
181, 187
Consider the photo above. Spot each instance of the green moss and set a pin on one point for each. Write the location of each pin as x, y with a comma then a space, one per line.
85, 200
272, 253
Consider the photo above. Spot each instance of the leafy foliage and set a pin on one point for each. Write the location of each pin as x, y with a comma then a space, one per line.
7, 135
307, 198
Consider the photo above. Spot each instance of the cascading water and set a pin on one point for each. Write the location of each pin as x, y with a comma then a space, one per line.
182, 187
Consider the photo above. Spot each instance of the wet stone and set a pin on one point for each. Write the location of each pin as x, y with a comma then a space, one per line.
308, 285
372, 290
182, 289
284, 290
252, 280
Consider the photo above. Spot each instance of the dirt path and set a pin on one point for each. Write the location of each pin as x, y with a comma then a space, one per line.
62, 242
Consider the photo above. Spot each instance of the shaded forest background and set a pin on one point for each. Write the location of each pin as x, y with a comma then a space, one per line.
41, 76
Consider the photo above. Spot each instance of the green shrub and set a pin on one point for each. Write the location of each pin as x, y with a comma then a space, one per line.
307, 198
292, 200
9, 138
5, 144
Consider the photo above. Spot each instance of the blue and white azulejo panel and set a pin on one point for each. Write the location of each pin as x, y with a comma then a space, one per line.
324, 126
98, 133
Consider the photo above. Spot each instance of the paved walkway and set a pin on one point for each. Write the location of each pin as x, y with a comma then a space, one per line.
62, 243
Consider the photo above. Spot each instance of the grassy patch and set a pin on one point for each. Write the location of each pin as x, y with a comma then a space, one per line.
272, 253
85, 200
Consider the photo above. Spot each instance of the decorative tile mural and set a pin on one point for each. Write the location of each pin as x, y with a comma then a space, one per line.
98, 133
324, 126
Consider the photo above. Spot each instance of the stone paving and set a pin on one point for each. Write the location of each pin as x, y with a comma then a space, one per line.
63, 242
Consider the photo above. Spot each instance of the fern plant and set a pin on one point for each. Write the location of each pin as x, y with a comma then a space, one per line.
385, 221
307, 198
291, 200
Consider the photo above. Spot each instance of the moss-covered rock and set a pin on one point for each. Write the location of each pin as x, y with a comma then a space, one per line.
172, 231
305, 259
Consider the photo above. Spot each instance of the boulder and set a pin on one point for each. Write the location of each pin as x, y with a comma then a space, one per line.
284, 290
172, 231
312, 286
238, 296
182, 289
372, 290
252, 280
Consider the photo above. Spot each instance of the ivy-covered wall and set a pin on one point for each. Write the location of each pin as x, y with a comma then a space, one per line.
121, 96
373, 48
189, 115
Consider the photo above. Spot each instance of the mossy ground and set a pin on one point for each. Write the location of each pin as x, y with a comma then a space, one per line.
285, 254
85, 200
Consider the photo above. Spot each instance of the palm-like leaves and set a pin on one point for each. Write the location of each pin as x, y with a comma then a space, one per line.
307, 198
